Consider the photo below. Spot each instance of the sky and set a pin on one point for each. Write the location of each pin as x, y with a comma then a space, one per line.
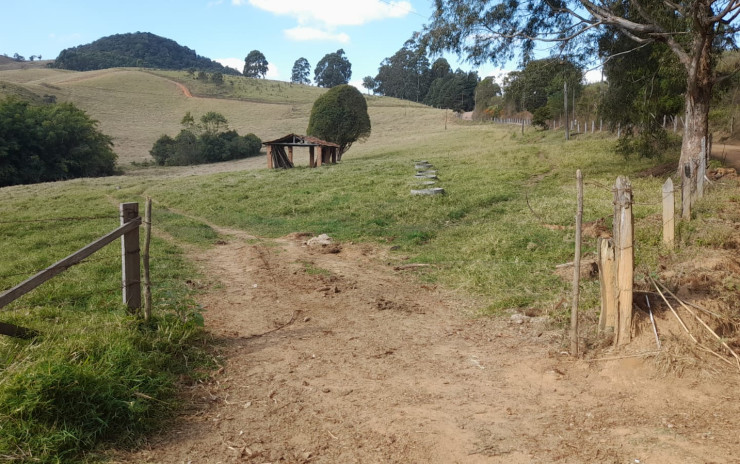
227, 30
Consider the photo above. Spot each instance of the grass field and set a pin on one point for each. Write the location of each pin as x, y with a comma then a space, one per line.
489, 236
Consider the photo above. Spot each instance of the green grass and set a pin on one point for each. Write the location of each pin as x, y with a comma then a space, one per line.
486, 236
95, 374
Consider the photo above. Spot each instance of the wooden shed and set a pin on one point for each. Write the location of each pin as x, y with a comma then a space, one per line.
279, 157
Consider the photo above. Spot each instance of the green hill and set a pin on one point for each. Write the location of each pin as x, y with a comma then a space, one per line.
140, 49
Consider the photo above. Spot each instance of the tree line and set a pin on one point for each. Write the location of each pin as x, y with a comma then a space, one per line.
332, 70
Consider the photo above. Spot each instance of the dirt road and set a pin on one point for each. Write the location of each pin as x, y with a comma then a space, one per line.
332, 356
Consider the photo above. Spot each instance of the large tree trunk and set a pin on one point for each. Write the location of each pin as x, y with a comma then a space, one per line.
699, 83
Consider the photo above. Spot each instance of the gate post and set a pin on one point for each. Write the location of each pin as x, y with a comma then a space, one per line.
130, 259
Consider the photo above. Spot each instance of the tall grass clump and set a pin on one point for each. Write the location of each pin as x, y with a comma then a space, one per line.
95, 375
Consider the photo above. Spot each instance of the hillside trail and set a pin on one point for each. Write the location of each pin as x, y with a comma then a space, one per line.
330, 355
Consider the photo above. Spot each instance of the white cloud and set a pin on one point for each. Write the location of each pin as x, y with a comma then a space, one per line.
301, 33
333, 13
272, 72
233, 63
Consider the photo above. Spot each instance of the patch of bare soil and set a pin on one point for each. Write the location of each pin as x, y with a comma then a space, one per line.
332, 356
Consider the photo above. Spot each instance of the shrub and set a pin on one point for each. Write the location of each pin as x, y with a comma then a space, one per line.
214, 143
340, 116
50, 142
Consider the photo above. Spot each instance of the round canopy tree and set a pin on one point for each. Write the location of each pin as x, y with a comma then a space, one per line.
340, 116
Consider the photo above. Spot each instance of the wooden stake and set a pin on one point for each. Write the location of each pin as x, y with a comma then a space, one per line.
686, 192
145, 259
131, 259
576, 269
625, 261
607, 280
669, 222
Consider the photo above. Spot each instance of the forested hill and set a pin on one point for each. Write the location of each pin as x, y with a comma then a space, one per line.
140, 49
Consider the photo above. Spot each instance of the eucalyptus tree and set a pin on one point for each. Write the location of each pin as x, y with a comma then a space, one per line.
695, 31
301, 71
255, 64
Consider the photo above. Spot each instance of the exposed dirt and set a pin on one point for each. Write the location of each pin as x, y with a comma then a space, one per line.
332, 356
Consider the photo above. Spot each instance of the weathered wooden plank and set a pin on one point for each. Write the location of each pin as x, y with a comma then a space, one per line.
60, 266
607, 280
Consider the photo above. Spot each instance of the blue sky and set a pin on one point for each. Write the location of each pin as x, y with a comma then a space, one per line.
226, 30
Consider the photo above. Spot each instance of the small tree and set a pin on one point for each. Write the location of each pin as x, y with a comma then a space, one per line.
369, 83
255, 64
217, 78
301, 71
340, 116
334, 69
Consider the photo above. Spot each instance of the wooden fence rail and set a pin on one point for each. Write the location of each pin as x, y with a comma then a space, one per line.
129, 231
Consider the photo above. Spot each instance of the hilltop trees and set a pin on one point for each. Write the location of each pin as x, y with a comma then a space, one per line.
140, 49
206, 141
255, 65
695, 32
340, 116
333, 69
301, 71
488, 98
50, 142
369, 83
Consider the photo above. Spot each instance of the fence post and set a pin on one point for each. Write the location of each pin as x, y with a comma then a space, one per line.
669, 221
625, 260
686, 191
702, 169
607, 281
145, 259
576, 268
130, 259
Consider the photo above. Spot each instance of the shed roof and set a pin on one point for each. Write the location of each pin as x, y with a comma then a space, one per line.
295, 140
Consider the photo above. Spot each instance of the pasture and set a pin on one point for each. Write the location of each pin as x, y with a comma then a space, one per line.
496, 237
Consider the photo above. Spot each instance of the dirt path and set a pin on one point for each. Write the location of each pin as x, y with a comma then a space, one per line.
728, 154
373, 367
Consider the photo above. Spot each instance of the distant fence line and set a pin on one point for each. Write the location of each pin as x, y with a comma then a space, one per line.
583, 125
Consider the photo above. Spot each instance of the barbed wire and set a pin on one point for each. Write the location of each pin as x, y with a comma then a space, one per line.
60, 219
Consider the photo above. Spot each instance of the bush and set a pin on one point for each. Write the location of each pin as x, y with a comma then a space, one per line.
50, 142
542, 117
340, 116
214, 143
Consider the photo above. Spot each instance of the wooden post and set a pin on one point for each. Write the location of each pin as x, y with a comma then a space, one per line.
576, 269
625, 261
269, 157
601, 125
334, 155
702, 169
290, 153
686, 192
522, 126
669, 222
311, 160
131, 259
145, 259
320, 158
565, 103
607, 281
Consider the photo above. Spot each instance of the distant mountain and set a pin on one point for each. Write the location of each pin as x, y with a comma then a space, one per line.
140, 49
